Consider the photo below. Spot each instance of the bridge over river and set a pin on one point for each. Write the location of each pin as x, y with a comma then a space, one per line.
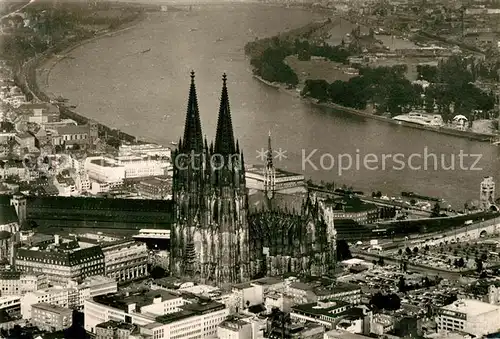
473, 231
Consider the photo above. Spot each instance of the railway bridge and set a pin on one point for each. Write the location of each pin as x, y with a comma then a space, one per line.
465, 233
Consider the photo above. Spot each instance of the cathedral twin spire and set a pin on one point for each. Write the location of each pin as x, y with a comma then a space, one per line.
224, 138
193, 140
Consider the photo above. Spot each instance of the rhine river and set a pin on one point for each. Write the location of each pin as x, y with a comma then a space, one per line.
145, 94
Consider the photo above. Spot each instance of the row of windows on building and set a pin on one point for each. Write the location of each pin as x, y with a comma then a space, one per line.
448, 324
74, 137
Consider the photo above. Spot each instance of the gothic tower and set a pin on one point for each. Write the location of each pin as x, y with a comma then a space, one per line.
209, 241
269, 171
187, 186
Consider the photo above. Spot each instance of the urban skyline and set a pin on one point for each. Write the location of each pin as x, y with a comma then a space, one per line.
329, 171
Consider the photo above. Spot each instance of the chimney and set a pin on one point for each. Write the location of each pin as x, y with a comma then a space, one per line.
56, 239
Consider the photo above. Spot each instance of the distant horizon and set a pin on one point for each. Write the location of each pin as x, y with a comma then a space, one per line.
185, 2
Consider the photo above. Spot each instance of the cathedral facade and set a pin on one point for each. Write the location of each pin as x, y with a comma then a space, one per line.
220, 236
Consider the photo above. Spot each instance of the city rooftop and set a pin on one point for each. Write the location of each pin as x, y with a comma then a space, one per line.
189, 310
470, 307
139, 298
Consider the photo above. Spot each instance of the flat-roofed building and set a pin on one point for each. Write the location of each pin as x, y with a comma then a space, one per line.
139, 308
283, 181
194, 320
104, 170
113, 170
158, 313
51, 318
469, 316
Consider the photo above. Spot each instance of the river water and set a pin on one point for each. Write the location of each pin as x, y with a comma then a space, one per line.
145, 94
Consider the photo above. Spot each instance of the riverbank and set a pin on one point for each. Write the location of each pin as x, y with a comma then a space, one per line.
28, 76
442, 130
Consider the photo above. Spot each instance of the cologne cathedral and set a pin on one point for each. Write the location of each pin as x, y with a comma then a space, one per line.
223, 234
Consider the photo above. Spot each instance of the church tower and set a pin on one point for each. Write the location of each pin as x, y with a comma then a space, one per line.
269, 171
187, 189
209, 241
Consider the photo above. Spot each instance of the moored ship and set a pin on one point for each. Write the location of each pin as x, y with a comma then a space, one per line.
422, 119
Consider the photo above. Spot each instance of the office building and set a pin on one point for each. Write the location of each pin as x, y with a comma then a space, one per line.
135, 308
61, 262
159, 313
125, 260
114, 170
194, 320
469, 316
